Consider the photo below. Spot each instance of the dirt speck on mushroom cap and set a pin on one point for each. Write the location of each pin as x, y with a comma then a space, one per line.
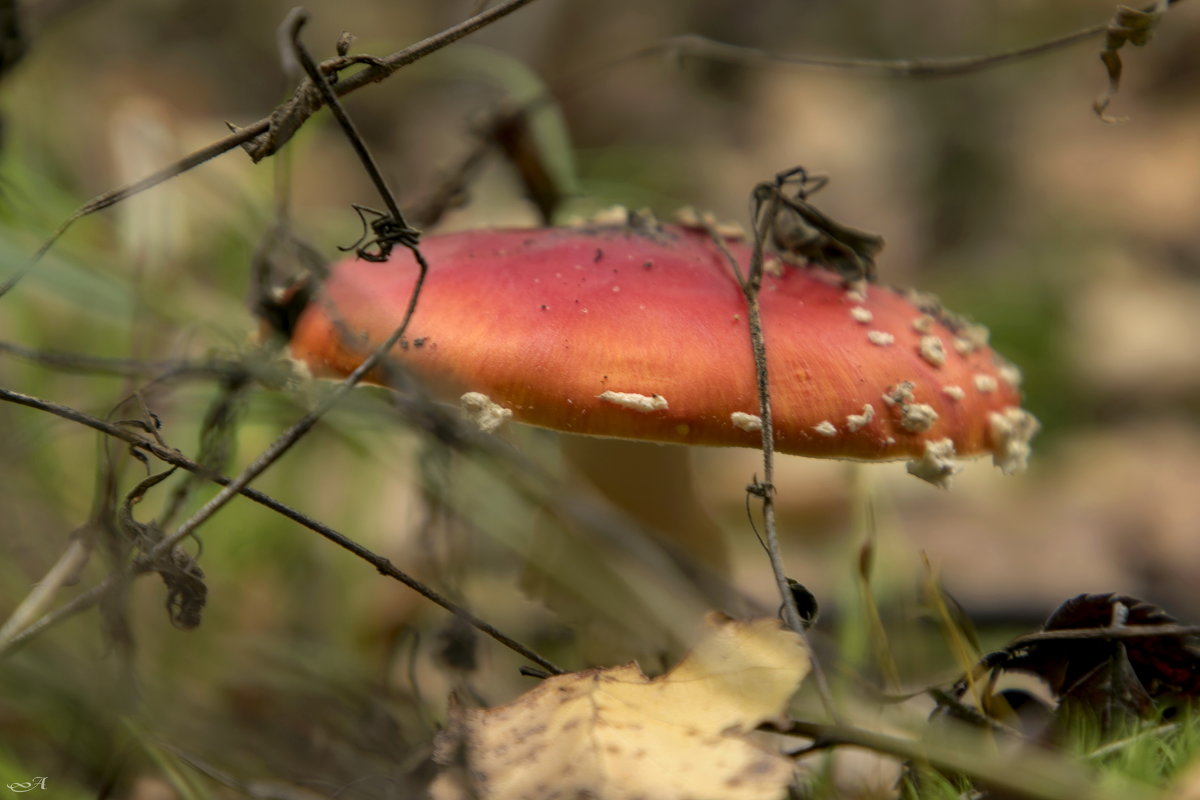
501, 313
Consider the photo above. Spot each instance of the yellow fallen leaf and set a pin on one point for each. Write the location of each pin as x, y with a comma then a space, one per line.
614, 734
1187, 785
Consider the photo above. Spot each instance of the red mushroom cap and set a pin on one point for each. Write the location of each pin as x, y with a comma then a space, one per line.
640, 331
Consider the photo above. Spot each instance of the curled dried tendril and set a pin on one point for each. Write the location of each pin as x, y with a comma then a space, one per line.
186, 591
380, 235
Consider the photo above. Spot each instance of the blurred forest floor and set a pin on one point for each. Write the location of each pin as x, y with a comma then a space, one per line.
1075, 241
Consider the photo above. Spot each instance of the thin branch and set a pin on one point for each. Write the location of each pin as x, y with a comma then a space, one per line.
111, 198
120, 367
696, 46
1035, 775
750, 288
288, 438
257, 136
166, 454
217, 431
379, 69
751, 283
669, 597
1104, 751
489, 133
450, 190
390, 229
1110, 633
530, 480
256, 789
294, 24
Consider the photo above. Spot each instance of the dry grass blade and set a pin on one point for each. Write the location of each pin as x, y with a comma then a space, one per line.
39, 599
1028, 775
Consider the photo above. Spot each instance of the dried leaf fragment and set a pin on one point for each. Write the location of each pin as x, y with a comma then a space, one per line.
1128, 26
1113, 657
186, 591
1165, 665
614, 734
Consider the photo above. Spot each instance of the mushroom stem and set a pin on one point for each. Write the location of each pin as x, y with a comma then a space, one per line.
653, 484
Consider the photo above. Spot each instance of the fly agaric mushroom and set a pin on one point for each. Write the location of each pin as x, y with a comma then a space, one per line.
628, 328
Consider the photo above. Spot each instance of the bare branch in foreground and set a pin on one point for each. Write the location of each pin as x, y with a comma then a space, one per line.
174, 457
1129, 21
1040, 776
768, 202
764, 222
122, 367
390, 229
701, 47
1128, 26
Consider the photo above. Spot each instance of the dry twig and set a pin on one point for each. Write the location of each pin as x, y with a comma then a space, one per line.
175, 458
1128, 26
768, 201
